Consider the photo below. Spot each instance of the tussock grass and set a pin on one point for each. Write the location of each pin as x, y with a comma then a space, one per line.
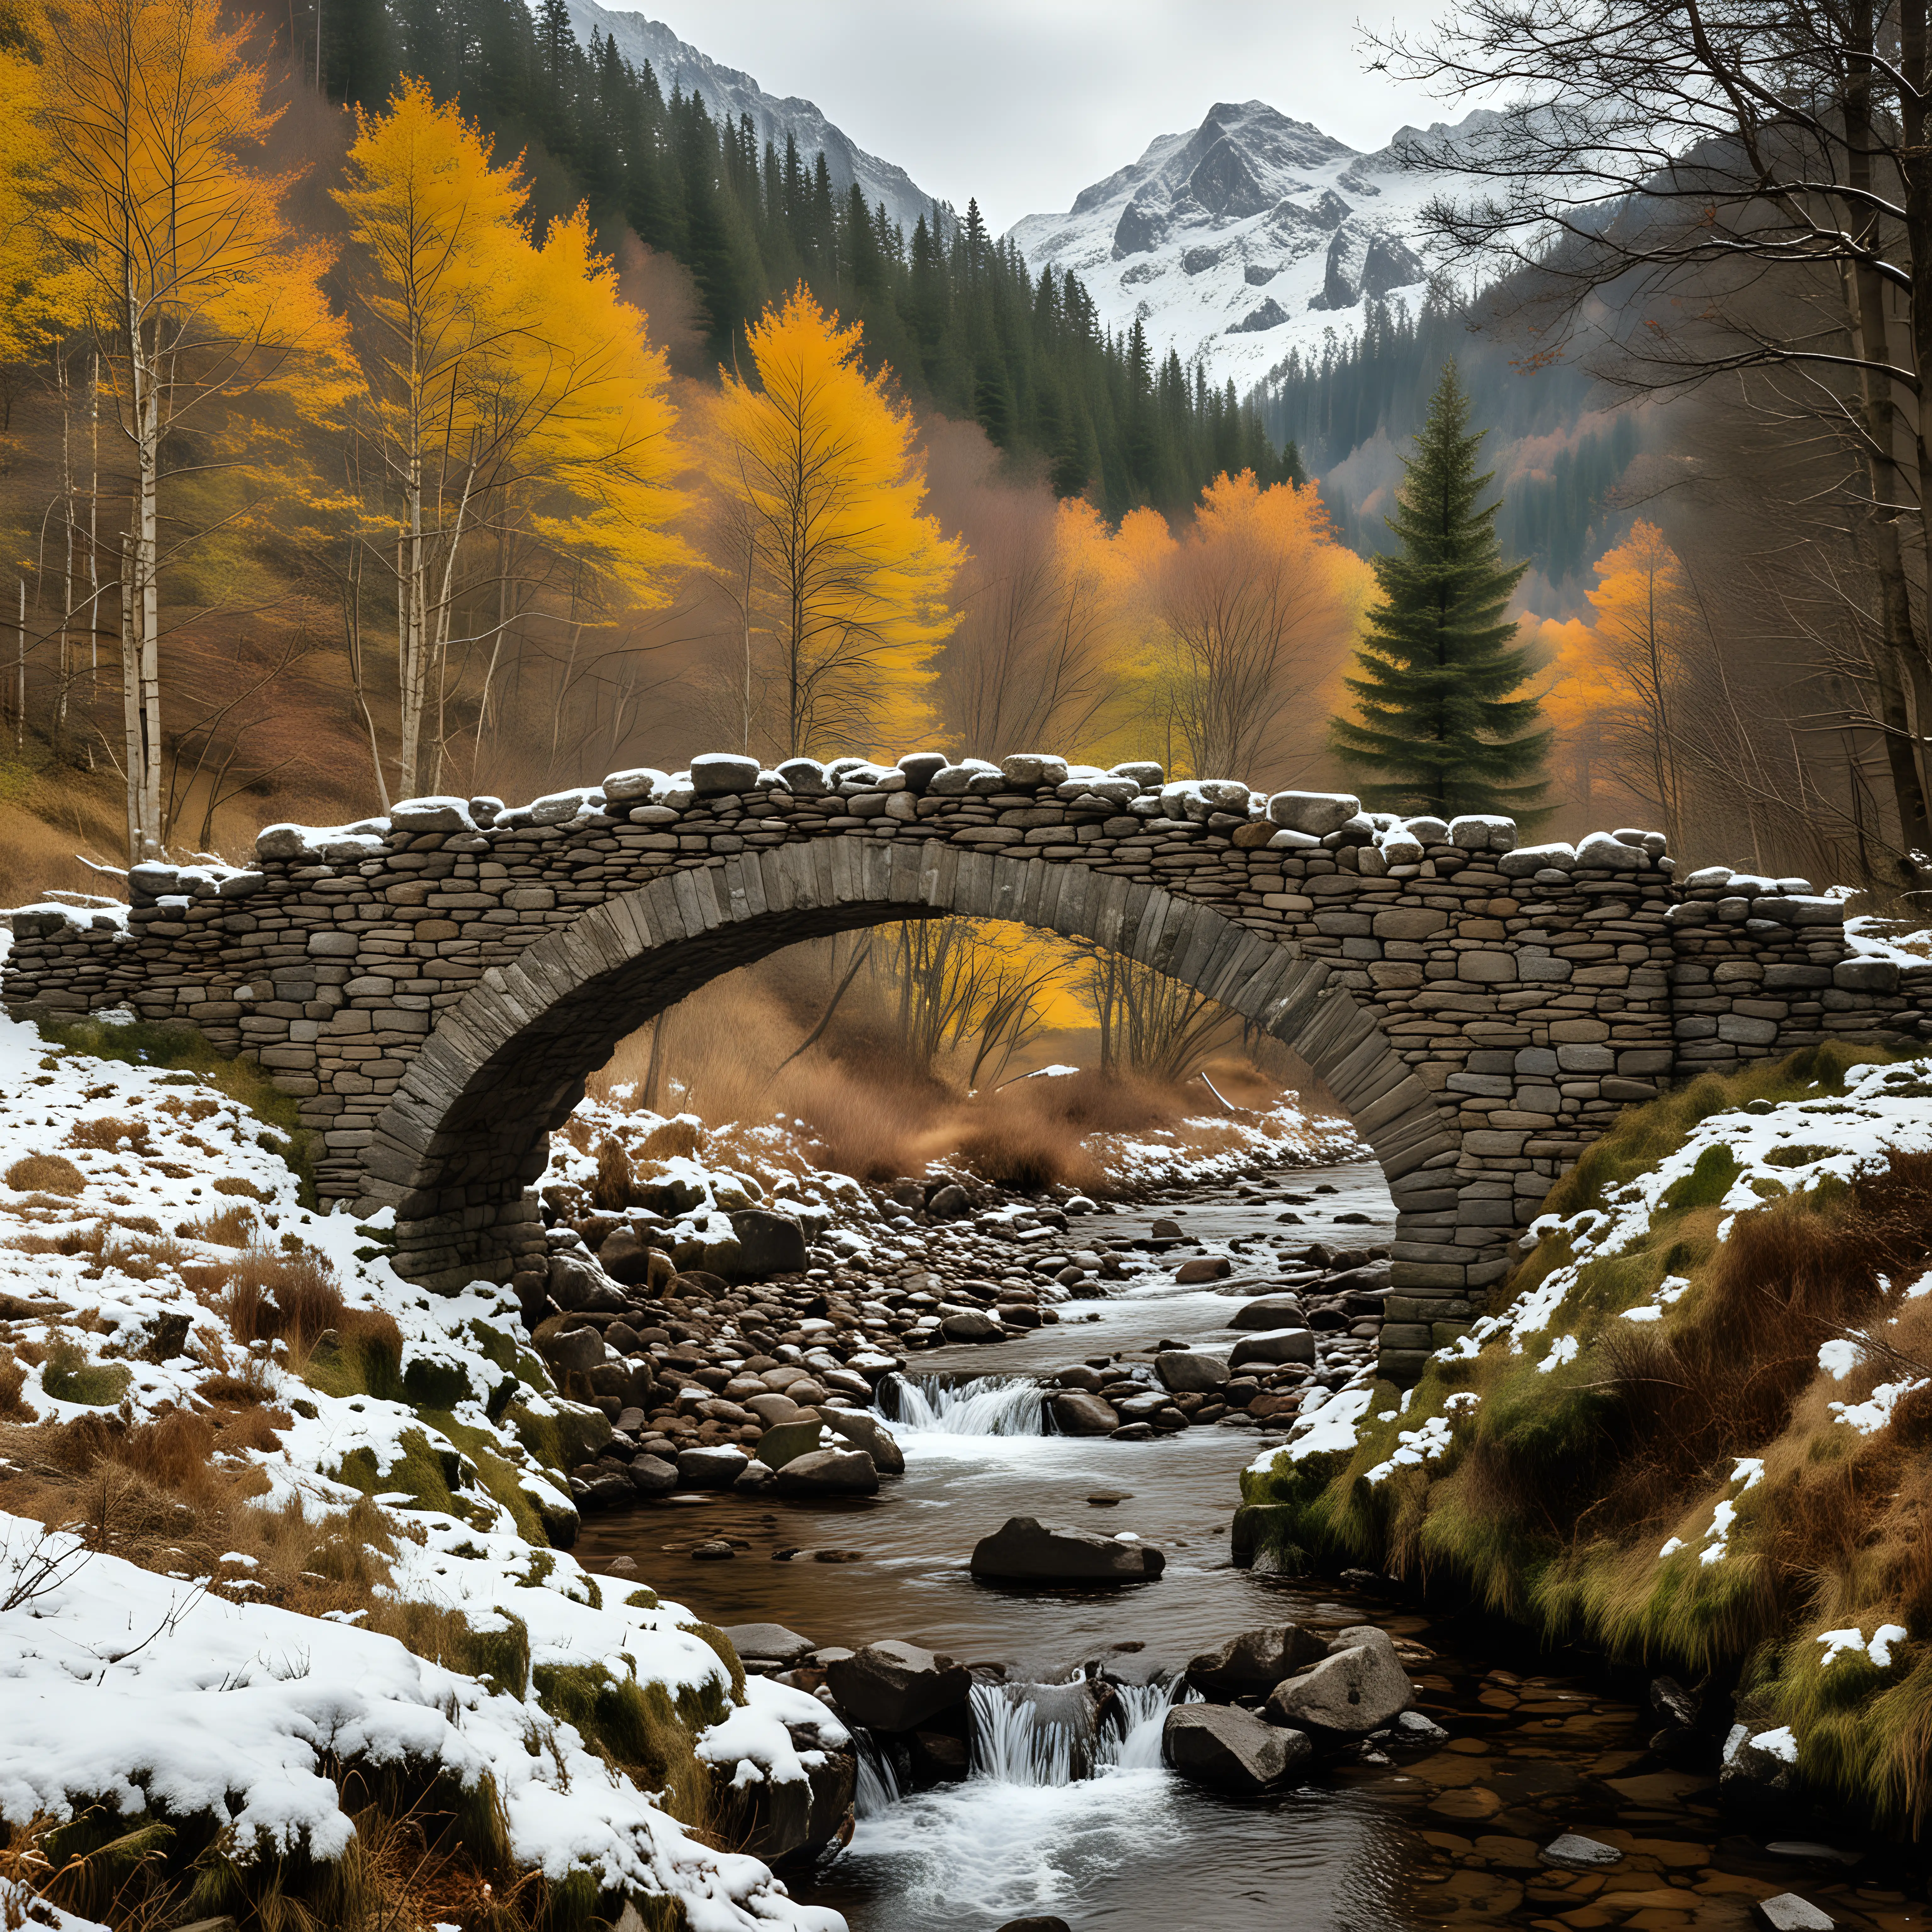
1579, 1497
46, 1174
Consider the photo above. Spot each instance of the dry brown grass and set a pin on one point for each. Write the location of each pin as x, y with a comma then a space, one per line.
270, 1294
109, 1134
46, 1174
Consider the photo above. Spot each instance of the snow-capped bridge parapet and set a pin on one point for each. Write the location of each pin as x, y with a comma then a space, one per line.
435, 985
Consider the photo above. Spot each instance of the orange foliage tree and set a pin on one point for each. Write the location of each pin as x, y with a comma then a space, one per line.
515, 411
205, 305
1252, 606
819, 497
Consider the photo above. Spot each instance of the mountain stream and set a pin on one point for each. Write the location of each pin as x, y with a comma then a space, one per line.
1059, 1817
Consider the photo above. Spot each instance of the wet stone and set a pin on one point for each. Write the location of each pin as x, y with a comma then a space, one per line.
1573, 1853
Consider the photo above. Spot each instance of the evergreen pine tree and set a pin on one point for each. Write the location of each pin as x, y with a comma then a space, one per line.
1439, 730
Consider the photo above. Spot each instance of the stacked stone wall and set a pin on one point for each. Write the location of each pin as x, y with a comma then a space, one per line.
1510, 1001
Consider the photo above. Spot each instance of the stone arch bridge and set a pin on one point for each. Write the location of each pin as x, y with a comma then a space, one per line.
434, 986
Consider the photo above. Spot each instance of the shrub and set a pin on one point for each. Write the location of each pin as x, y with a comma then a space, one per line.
68, 1375
108, 1134
46, 1174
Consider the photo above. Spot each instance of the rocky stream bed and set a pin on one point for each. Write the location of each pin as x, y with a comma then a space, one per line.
1027, 1753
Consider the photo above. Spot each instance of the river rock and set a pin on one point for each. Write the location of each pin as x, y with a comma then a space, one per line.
1231, 1749
570, 1352
830, 1472
786, 1442
754, 1479
1077, 1413
1252, 1664
1024, 1551
769, 1643
1757, 1768
790, 1823
1349, 1693
1270, 1312
895, 1687
579, 1286
1186, 1373
712, 1468
1204, 1267
772, 1409
652, 1476
970, 1325
1036, 1925
866, 1431
1274, 1346
625, 1256
1788, 1912
768, 1244
1573, 1852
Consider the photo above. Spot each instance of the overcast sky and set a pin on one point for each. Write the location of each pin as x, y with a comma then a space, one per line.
1024, 102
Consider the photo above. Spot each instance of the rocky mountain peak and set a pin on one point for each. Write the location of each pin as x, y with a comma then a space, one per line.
1183, 238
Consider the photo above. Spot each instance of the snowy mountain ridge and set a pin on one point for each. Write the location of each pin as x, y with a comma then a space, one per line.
728, 92
1245, 237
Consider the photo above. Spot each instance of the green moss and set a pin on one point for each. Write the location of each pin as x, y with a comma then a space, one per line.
242, 1080
364, 1358
68, 1375
1707, 1183
728, 1656
429, 1384
431, 1478
638, 1728
500, 1478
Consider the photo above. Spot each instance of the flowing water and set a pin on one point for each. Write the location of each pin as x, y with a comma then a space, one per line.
1068, 1812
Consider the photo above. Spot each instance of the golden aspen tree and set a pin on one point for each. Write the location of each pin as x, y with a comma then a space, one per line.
198, 292
510, 394
851, 575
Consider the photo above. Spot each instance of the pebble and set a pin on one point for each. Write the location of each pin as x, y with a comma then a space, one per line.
716, 1551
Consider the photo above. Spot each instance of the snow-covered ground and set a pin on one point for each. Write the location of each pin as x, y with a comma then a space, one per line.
136, 1688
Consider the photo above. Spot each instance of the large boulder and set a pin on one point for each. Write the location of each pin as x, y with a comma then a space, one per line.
1269, 1311
625, 1256
895, 1687
1316, 814
652, 1476
786, 1441
1274, 1347
830, 1472
1075, 1412
1230, 1748
865, 1431
579, 1286
1024, 1551
769, 1643
710, 1468
970, 1325
768, 1244
1252, 1664
569, 1351
1204, 1267
1185, 1372
1349, 1693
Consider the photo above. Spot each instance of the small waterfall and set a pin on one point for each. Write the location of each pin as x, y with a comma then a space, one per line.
987, 1405
879, 1786
1050, 1735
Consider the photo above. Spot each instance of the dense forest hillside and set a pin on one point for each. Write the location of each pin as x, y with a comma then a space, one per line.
953, 311
1558, 446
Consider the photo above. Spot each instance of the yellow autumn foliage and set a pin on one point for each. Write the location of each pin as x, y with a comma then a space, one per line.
820, 495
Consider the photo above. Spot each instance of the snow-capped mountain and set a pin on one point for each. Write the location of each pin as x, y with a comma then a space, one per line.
728, 92
1246, 238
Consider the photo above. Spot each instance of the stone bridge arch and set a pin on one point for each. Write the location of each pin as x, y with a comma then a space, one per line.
431, 986
466, 1135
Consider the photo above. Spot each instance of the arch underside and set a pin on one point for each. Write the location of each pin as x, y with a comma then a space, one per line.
467, 1134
